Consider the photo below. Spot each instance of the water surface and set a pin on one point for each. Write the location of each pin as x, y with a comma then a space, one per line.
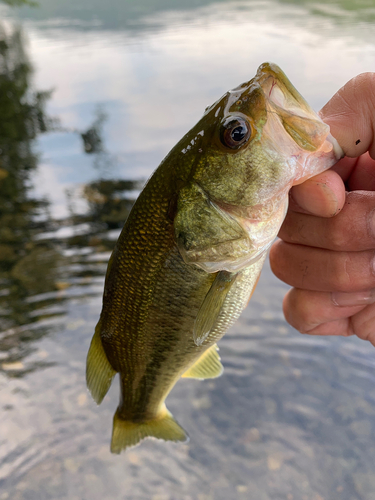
96, 93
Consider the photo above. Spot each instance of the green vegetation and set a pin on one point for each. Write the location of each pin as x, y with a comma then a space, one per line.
18, 3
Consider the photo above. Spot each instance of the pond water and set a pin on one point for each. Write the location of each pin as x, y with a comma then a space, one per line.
93, 94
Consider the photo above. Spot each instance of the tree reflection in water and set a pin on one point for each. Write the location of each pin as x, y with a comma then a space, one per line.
37, 267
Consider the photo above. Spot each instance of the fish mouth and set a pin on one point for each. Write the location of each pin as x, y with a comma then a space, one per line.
286, 105
279, 90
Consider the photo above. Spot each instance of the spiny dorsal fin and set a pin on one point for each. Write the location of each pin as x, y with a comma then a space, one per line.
212, 305
99, 372
126, 433
207, 366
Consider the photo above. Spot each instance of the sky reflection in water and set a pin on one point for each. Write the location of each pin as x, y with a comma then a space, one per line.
292, 417
155, 81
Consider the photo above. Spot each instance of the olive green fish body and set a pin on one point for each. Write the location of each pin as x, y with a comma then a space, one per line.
192, 249
151, 296
154, 298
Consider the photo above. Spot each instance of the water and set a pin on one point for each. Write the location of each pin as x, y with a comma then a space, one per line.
95, 94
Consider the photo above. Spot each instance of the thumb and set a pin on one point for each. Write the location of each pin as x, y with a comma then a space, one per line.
351, 115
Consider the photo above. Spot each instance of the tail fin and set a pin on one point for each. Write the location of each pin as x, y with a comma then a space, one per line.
126, 433
99, 372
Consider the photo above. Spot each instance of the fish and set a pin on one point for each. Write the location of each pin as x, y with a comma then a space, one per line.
191, 251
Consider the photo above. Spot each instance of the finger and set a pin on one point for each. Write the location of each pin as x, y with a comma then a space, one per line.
363, 175
345, 167
351, 230
322, 195
322, 270
363, 324
350, 115
342, 327
316, 313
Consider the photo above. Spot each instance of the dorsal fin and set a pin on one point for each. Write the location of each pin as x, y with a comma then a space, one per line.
207, 366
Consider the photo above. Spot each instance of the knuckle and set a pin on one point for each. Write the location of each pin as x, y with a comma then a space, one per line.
351, 271
339, 237
342, 271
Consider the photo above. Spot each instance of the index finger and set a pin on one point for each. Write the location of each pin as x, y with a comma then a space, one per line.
322, 195
353, 230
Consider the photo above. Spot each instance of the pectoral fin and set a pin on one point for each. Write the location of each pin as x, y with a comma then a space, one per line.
207, 366
212, 305
99, 372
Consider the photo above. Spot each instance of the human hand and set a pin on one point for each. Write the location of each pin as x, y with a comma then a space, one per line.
327, 246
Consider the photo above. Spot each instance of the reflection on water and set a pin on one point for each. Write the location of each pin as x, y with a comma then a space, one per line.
117, 15
36, 266
28, 266
292, 418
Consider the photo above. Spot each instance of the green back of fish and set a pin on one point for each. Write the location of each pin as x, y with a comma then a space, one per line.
184, 265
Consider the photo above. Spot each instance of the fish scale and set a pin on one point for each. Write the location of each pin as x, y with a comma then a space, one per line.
191, 251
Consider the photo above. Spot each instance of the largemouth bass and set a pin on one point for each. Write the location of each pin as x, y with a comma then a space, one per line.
191, 251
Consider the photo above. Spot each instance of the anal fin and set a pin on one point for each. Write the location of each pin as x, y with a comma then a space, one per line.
207, 366
99, 372
212, 305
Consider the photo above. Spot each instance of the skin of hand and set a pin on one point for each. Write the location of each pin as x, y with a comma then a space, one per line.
326, 250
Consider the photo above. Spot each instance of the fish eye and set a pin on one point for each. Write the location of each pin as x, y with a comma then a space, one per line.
235, 131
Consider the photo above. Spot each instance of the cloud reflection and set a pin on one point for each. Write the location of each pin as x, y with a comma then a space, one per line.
155, 83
